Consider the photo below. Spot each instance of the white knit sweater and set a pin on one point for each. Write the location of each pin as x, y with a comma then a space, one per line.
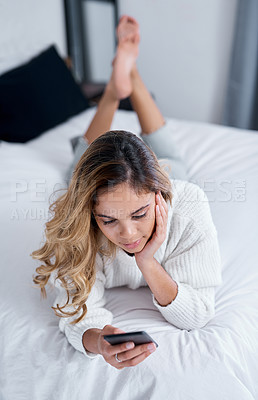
190, 255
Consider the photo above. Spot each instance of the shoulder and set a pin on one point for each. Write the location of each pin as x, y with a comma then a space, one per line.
191, 205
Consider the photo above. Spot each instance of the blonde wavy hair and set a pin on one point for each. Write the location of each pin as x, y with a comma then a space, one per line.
72, 235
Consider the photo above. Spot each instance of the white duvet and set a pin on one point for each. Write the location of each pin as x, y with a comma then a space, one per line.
219, 361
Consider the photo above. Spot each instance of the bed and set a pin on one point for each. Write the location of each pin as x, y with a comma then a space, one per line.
218, 361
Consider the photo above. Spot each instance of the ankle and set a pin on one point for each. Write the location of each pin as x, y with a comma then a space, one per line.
137, 83
110, 93
134, 73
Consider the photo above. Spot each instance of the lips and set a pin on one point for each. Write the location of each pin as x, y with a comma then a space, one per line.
132, 245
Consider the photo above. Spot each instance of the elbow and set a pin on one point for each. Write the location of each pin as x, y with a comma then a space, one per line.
191, 309
203, 310
196, 317
200, 319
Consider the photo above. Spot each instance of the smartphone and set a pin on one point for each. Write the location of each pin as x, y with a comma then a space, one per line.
140, 337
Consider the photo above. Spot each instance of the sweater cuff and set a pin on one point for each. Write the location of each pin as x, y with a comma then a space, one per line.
75, 334
191, 309
175, 312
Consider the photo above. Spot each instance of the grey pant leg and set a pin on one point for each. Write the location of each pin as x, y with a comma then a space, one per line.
162, 144
79, 145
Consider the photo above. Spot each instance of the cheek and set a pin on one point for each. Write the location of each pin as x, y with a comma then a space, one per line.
102, 227
107, 231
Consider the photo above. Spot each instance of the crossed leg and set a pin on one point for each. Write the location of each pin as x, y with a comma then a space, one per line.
125, 81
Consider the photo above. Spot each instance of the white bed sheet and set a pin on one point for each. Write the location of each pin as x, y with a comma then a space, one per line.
218, 361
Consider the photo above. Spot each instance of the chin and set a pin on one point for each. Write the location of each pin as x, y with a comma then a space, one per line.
133, 251
140, 248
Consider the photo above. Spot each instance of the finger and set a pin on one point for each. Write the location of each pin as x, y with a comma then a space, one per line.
163, 214
133, 357
163, 202
138, 350
159, 220
163, 208
161, 223
159, 200
112, 350
136, 360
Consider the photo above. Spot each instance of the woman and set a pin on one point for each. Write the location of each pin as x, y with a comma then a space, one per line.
122, 221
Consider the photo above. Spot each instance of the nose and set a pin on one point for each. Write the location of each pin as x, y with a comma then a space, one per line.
128, 232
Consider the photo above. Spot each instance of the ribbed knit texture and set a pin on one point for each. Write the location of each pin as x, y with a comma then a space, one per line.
190, 255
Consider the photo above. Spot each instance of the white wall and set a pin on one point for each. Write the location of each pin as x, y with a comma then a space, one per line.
28, 26
184, 53
99, 38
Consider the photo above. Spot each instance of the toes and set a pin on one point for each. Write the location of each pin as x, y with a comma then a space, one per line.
123, 17
128, 18
127, 28
133, 21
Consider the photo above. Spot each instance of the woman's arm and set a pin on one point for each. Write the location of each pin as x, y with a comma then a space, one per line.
187, 304
87, 336
97, 316
163, 287
183, 286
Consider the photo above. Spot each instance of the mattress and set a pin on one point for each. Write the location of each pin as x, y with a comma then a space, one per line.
218, 361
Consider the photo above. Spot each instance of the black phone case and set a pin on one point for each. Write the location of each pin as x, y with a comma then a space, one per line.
140, 337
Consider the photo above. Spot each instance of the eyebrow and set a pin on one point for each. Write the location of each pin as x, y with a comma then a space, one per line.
134, 212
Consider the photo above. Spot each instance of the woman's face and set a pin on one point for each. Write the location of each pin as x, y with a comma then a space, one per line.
126, 219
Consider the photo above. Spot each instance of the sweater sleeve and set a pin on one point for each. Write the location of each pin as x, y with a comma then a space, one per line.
194, 305
195, 265
97, 316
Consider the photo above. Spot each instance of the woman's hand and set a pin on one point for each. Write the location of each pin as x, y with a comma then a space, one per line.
128, 354
158, 237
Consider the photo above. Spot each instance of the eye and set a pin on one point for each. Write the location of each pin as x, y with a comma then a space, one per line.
139, 216
108, 222
135, 217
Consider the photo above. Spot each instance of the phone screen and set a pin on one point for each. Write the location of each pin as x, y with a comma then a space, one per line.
140, 337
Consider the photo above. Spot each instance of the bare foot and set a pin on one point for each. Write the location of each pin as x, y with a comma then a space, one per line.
127, 28
127, 52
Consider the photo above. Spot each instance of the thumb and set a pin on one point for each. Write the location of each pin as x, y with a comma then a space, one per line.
112, 330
